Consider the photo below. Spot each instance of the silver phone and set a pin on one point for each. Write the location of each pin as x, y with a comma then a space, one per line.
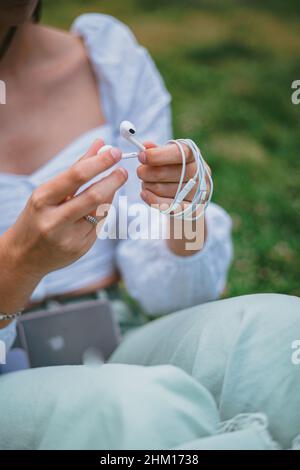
69, 334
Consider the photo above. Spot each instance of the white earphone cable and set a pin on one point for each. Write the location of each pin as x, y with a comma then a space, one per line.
202, 197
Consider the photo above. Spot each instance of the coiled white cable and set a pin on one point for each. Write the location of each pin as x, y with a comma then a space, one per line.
202, 197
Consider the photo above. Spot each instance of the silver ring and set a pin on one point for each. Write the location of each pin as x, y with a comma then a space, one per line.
91, 219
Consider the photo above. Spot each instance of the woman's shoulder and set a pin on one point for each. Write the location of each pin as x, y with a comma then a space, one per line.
99, 20
124, 67
107, 32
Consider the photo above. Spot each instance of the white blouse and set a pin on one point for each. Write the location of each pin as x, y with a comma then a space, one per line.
130, 88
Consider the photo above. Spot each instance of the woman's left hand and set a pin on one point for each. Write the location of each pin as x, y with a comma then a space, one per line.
160, 172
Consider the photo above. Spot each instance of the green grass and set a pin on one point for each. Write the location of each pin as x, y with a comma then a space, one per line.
229, 66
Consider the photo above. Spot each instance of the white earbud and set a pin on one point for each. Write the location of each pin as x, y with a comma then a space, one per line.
103, 149
128, 130
202, 194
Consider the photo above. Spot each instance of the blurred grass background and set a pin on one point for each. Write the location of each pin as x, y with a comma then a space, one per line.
229, 66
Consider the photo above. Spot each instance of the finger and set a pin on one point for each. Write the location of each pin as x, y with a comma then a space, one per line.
86, 233
153, 200
68, 182
165, 155
94, 149
165, 174
82, 228
167, 190
161, 203
91, 237
96, 229
149, 145
97, 194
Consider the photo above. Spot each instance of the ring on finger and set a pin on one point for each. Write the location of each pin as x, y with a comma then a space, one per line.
91, 219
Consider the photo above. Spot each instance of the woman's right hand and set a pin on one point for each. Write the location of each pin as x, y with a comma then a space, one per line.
52, 232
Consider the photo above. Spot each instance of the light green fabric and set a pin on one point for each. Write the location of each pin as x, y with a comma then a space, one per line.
239, 349
252, 438
104, 407
236, 360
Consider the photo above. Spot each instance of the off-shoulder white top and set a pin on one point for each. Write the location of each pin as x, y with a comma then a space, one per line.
130, 88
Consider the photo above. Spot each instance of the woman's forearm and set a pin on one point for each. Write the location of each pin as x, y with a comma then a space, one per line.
52, 231
186, 238
17, 282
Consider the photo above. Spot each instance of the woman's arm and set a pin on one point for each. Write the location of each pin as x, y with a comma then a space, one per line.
158, 272
17, 281
155, 271
160, 172
163, 282
52, 232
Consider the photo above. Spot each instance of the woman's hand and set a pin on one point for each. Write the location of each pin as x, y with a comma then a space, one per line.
52, 232
160, 172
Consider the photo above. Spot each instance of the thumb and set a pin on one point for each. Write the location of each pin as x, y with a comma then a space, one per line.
149, 145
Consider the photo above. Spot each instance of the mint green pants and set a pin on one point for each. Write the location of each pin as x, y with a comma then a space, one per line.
221, 375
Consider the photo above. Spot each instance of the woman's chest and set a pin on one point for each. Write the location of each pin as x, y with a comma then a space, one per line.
44, 115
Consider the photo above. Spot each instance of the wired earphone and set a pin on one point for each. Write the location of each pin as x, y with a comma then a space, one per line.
202, 195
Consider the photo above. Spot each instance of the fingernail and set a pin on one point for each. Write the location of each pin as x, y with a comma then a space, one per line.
116, 153
122, 170
142, 157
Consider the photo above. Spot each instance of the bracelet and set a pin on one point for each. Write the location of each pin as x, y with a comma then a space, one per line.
12, 316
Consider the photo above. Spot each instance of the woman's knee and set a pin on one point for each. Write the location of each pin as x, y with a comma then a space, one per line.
278, 307
131, 407
260, 373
